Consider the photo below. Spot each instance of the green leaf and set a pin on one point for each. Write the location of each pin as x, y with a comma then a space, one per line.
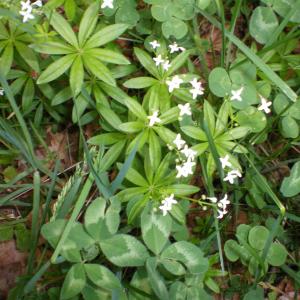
109, 115
189, 254
62, 96
28, 94
56, 69
174, 27
178, 62
258, 236
136, 208
136, 108
70, 9
235, 133
62, 27
132, 127
277, 255
222, 118
55, 48
98, 69
181, 189
105, 35
135, 177
139, 82
102, 277
154, 150
156, 280
6, 59
108, 56
209, 117
291, 185
53, 230
124, 251
165, 134
76, 76
252, 118
219, 82
155, 230
88, 23
194, 132
162, 11
289, 127
263, 23
169, 116
28, 55
232, 250
74, 282
147, 62
106, 138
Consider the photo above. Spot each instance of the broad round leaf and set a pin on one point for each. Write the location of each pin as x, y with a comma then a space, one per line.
291, 185
74, 282
174, 27
263, 22
289, 127
232, 250
258, 236
276, 255
124, 251
219, 82
252, 118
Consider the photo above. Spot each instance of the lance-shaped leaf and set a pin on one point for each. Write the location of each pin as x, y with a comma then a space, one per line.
146, 60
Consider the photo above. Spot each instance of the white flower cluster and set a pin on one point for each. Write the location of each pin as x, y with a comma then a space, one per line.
167, 204
231, 175
1, 91
187, 157
26, 9
107, 3
159, 60
221, 204
236, 95
175, 82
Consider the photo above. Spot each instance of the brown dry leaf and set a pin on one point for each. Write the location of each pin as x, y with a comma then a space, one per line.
12, 264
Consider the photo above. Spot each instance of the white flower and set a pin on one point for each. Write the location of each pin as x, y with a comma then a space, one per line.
225, 161
166, 65
232, 175
175, 48
189, 153
26, 5
1, 91
158, 60
155, 44
27, 15
174, 83
108, 3
154, 119
185, 109
185, 169
38, 3
197, 88
224, 202
167, 204
179, 142
265, 105
221, 213
236, 95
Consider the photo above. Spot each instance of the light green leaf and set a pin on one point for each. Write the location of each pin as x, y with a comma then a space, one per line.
98, 69
136, 108
124, 251
177, 62
88, 23
108, 56
102, 277
148, 63
28, 55
53, 48
56, 69
289, 127
258, 236
276, 255
76, 76
109, 115
139, 82
219, 82
263, 23
194, 132
156, 229
105, 35
291, 185
189, 254
181, 189
6, 59
74, 282
154, 150
174, 27
132, 127
62, 27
